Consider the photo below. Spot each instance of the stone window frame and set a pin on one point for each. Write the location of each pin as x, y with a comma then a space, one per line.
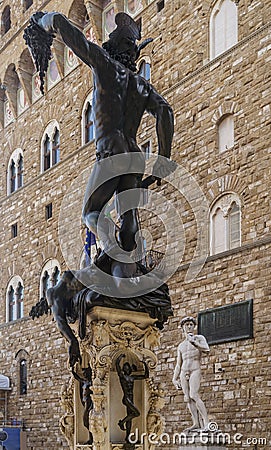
144, 60
137, 11
227, 143
48, 136
17, 286
23, 376
225, 110
11, 84
22, 102
48, 211
14, 161
143, 147
22, 358
216, 8
49, 80
14, 230
5, 21
35, 87
78, 13
49, 269
105, 32
225, 204
87, 103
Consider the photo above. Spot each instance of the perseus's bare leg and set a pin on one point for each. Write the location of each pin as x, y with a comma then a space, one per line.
99, 191
127, 202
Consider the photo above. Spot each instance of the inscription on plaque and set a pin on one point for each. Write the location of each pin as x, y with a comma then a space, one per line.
227, 323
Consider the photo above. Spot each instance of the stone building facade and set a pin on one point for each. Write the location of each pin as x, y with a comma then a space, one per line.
211, 61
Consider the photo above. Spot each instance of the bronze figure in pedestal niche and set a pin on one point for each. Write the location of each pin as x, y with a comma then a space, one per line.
85, 380
127, 377
120, 98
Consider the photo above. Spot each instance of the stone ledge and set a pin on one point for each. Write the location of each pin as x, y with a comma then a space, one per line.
118, 316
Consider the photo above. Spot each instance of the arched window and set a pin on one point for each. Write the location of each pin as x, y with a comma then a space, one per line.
146, 149
55, 276
46, 153
22, 103
11, 304
15, 171
89, 126
53, 75
11, 105
225, 224
50, 276
12, 176
26, 70
223, 27
20, 300
133, 7
45, 283
108, 19
6, 21
225, 132
20, 171
56, 147
88, 129
50, 147
23, 376
22, 358
36, 92
14, 299
145, 69
78, 14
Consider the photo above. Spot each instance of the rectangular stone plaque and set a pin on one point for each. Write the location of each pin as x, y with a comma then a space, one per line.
227, 323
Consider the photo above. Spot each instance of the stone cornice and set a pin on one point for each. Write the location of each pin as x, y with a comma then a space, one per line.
266, 240
217, 59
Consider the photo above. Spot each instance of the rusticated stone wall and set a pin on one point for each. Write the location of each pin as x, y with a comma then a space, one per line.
200, 91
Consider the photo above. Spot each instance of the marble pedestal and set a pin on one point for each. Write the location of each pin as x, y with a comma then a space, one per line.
110, 333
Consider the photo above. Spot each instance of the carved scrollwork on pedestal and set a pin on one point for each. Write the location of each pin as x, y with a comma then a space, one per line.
155, 420
97, 416
66, 422
127, 333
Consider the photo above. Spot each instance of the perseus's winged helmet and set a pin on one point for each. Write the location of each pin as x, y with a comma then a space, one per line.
123, 38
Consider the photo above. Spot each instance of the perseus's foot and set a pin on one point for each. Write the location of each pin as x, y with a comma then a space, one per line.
121, 425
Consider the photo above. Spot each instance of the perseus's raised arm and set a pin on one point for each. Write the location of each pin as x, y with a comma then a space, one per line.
163, 113
90, 53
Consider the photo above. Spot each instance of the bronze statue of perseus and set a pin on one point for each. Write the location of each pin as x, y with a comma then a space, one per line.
120, 98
